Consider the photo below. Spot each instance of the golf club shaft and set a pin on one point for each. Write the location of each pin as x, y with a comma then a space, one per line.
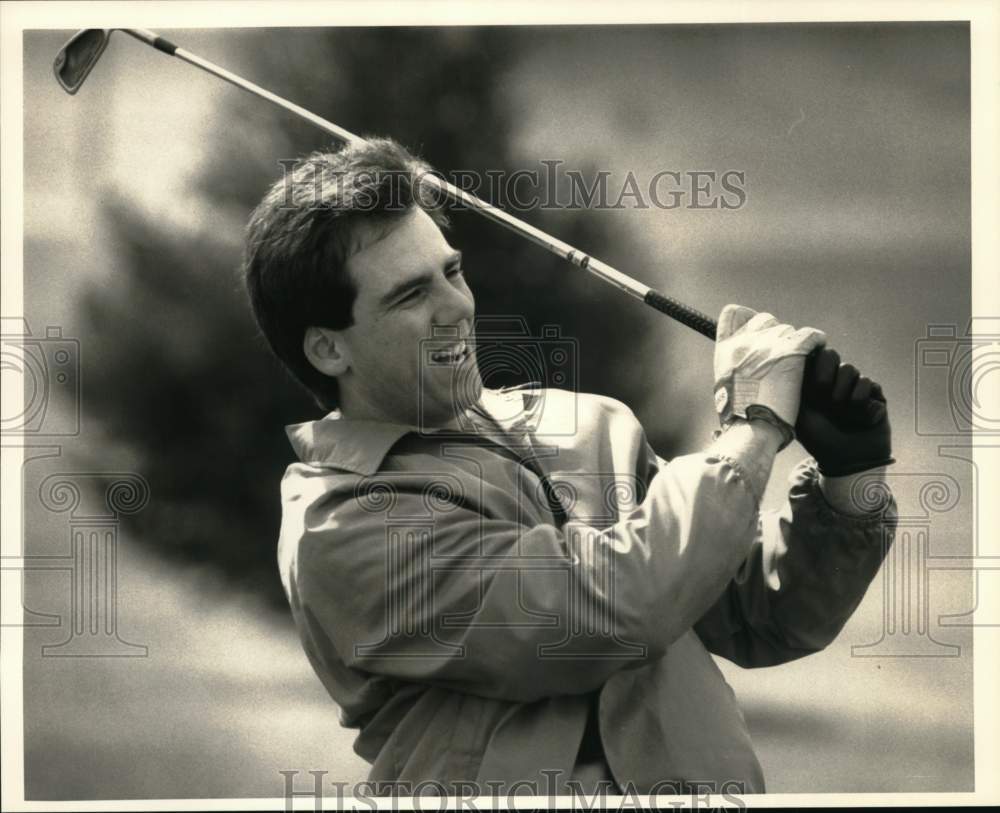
671, 307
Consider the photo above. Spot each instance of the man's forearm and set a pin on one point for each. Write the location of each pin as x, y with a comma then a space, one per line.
753, 446
804, 576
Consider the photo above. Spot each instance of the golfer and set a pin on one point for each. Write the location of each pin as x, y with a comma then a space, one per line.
510, 588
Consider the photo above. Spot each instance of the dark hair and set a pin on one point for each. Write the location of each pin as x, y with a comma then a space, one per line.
301, 234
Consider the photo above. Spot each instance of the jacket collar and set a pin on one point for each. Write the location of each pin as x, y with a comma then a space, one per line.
360, 446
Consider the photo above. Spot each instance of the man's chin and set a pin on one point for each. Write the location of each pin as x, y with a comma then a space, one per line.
449, 404
467, 394
470, 392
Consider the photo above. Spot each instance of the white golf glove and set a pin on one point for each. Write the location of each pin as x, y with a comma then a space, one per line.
759, 364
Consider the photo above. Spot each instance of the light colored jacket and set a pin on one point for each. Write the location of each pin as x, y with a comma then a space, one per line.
461, 607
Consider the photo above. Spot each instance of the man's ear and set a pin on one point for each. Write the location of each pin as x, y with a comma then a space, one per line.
326, 351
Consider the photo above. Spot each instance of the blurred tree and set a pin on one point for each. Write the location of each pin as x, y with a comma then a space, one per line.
185, 380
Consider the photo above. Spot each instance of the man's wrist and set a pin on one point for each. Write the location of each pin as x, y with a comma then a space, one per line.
753, 444
766, 435
842, 495
731, 403
758, 414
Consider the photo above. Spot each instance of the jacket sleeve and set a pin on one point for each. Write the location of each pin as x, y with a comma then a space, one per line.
806, 573
455, 598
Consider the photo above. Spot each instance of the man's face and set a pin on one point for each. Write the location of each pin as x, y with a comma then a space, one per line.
410, 287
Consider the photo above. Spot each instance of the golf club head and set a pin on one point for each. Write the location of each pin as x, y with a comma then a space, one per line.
77, 58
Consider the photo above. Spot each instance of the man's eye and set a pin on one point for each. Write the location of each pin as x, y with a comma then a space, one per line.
456, 271
411, 297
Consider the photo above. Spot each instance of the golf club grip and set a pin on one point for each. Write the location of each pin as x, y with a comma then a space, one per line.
696, 320
868, 414
165, 45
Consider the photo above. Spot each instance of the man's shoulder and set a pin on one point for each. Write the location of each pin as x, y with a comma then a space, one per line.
331, 512
565, 412
308, 487
593, 400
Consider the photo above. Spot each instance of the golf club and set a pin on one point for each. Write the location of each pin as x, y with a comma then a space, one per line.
80, 54
77, 58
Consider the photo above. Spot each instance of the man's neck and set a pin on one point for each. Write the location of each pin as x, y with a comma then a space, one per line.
354, 411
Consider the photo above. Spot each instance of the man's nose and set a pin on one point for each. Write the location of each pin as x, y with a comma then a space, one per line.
455, 306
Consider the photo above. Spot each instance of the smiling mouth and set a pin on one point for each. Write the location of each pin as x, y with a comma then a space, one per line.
453, 355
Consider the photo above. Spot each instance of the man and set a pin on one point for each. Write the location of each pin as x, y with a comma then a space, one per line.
512, 587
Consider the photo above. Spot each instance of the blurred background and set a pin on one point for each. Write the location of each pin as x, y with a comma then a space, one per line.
854, 141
